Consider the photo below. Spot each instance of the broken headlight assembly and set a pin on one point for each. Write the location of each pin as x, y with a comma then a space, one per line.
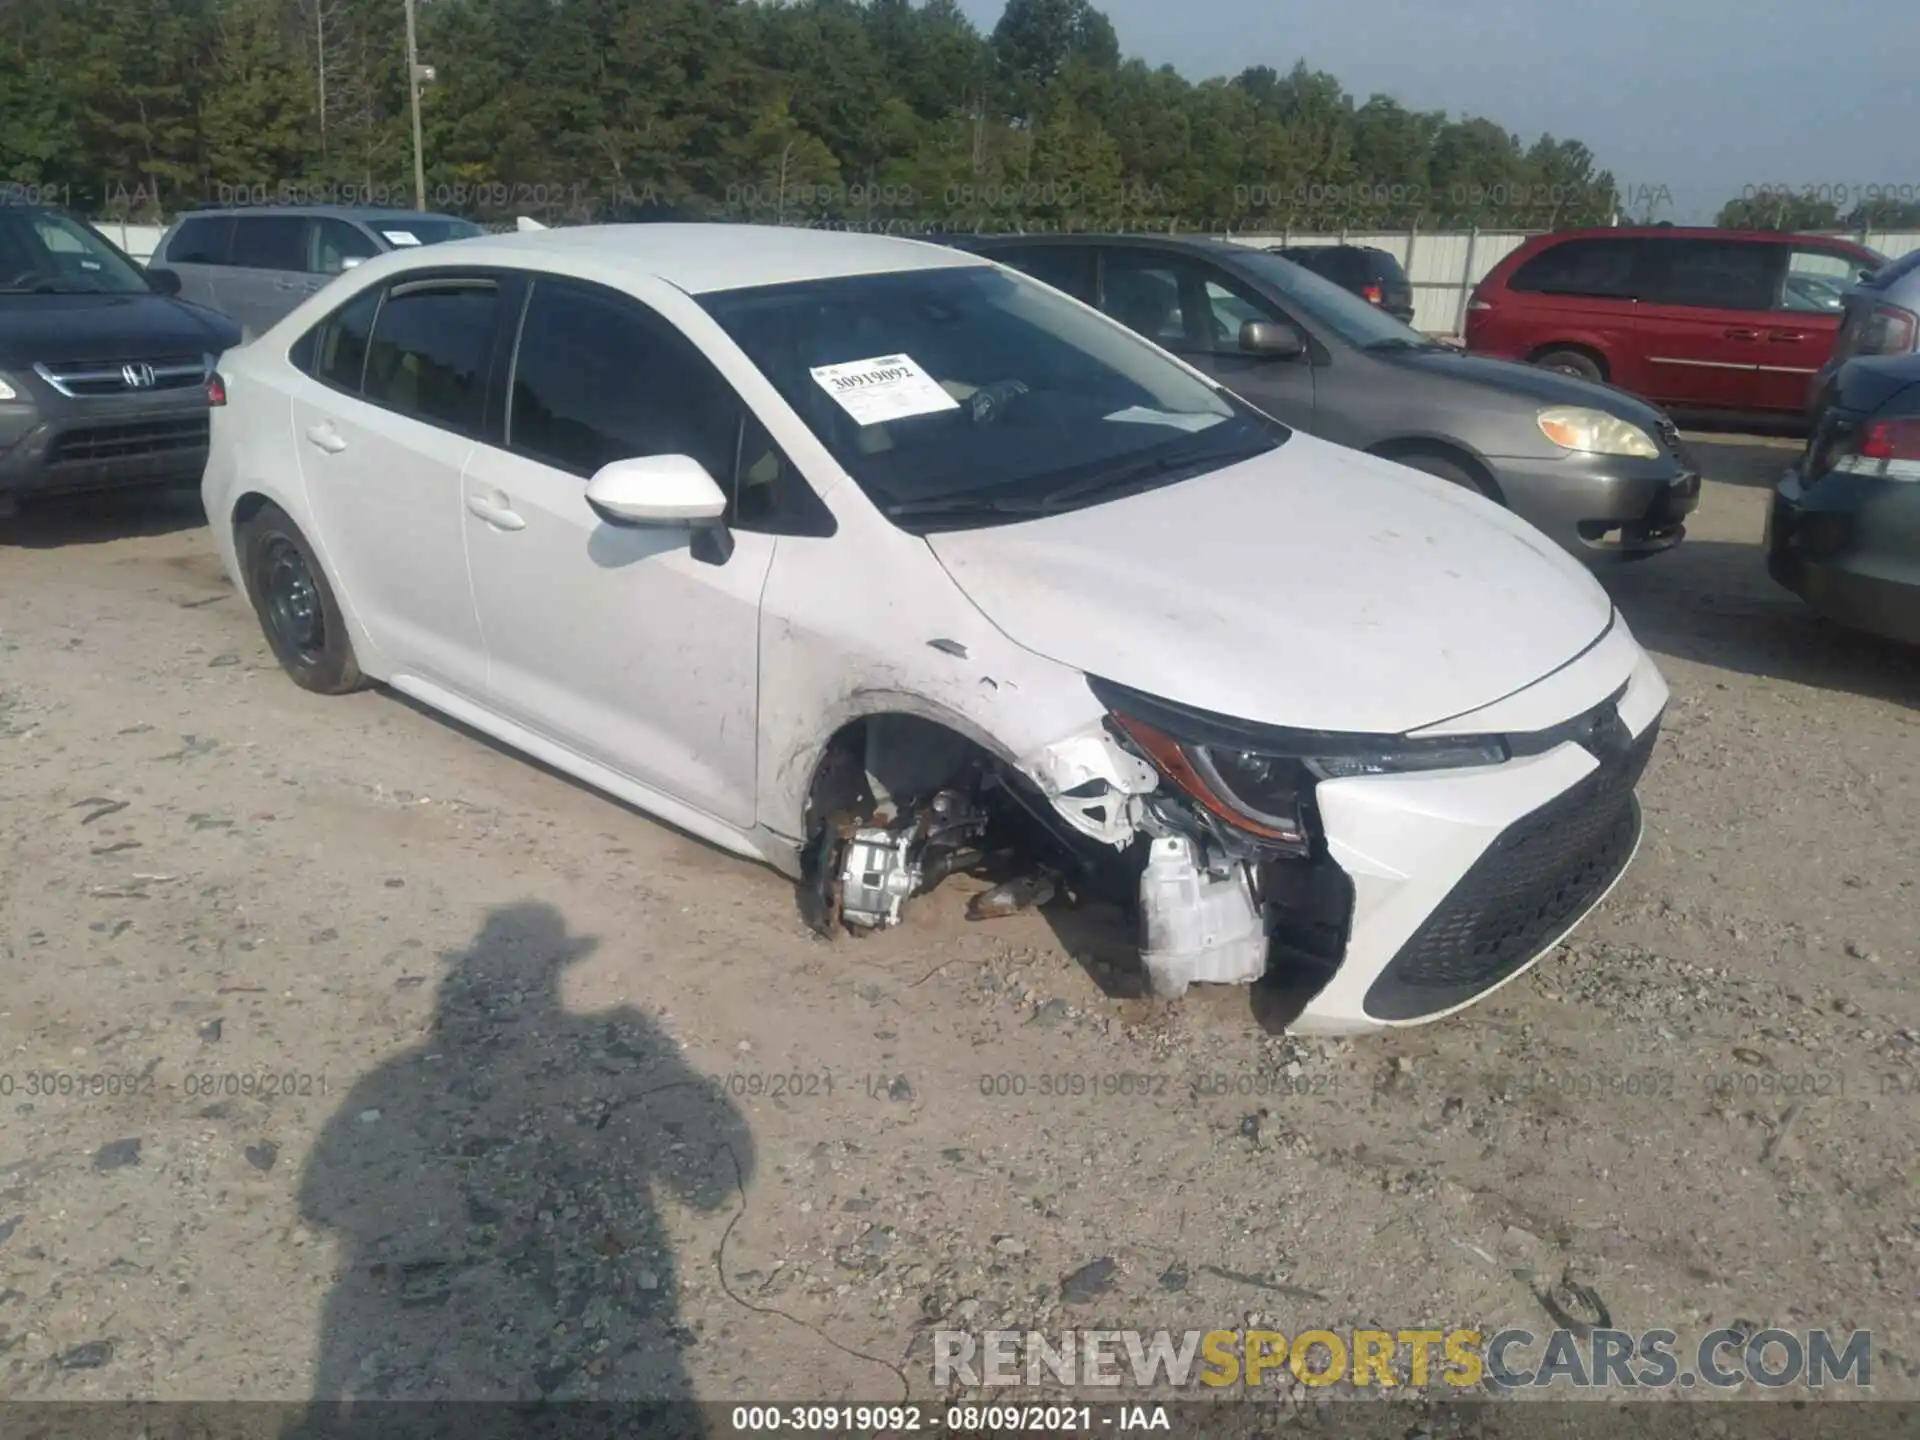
1260, 779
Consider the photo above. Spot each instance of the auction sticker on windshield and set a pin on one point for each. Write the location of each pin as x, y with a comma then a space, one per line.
887, 387
401, 237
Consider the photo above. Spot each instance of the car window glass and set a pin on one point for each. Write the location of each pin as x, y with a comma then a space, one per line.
205, 241
430, 348
1065, 267
1715, 274
1229, 310
1579, 267
1142, 292
599, 379
335, 242
339, 352
1818, 281
270, 242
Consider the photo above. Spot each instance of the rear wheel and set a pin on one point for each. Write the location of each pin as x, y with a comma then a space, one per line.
296, 606
1571, 362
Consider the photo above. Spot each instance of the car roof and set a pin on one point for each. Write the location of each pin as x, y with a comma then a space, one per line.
1199, 244
369, 213
1689, 232
696, 258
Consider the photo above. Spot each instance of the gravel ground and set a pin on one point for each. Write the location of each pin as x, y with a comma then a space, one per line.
341, 1051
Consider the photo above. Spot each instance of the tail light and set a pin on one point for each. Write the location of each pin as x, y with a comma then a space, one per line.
1373, 293
1878, 449
1888, 330
216, 389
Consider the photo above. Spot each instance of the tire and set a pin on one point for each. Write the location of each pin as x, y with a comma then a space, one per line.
1571, 362
1441, 468
295, 605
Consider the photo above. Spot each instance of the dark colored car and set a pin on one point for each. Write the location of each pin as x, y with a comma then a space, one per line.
104, 372
258, 263
1843, 532
1599, 471
1366, 270
1723, 322
1882, 318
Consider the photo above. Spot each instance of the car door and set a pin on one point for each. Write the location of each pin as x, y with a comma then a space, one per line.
1703, 319
1196, 309
268, 273
1808, 310
198, 251
636, 647
383, 425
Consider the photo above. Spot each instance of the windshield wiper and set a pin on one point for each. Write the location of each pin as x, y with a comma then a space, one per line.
1154, 468
965, 505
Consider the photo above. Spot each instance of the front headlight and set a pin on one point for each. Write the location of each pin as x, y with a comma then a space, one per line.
1594, 432
7, 392
1268, 792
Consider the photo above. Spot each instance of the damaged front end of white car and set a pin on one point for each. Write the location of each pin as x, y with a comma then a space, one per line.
1118, 812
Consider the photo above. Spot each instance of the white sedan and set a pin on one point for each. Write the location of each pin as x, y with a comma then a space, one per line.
858, 555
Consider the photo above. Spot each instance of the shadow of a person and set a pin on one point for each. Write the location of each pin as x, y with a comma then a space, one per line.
494, 1189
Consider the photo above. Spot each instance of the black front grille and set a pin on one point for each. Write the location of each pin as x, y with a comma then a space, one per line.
136, 439
1531, 885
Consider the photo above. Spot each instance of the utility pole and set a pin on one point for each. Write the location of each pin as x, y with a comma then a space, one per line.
413, 89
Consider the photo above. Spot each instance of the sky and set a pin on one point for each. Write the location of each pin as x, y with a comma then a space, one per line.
1701, 97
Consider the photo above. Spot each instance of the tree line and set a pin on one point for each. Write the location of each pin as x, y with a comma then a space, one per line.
872, 113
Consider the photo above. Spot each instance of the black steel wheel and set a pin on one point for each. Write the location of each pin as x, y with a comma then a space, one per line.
297, 609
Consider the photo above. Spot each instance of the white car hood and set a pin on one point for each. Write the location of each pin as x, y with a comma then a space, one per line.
1313, 586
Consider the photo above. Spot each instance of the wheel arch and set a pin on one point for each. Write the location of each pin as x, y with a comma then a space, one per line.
1405, 447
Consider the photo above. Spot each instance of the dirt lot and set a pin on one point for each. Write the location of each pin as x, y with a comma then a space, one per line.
340, 1050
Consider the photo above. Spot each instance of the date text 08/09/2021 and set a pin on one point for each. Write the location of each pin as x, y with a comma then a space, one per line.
906, 1419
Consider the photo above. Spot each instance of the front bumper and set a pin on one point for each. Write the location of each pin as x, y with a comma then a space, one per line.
1458, 881
1850, 547
102, 444
1602, 505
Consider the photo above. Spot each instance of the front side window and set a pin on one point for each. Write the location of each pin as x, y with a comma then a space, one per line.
430, 348
1356, 321
968, 389
598, 377
45, 253
270, 242
1818, 280
1144, 292
335, 242
1068, 268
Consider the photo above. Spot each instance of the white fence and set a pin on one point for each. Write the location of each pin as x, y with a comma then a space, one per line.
1444, 265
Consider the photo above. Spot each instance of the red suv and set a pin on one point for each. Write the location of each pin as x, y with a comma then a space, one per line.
1695, 320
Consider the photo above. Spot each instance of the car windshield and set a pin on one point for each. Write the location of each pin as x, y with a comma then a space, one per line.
424, 230
968, 391
1354, 320
44, 253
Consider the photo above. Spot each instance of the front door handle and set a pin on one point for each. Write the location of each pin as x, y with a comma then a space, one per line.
501, 517
1743, 334
326, 437
1787, 337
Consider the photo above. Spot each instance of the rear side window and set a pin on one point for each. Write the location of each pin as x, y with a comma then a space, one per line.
1065, 267
431, 345
207, 240
335, 350
270, 242
1601, 268
1713, 274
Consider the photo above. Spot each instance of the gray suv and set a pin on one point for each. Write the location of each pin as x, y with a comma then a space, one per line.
258, 263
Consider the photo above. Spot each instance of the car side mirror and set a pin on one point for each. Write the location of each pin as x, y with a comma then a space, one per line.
164, 281
656, 490
1272, 338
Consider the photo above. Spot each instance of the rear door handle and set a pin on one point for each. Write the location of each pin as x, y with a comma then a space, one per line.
326, 437
1743, 334
1787, 337
501, 517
